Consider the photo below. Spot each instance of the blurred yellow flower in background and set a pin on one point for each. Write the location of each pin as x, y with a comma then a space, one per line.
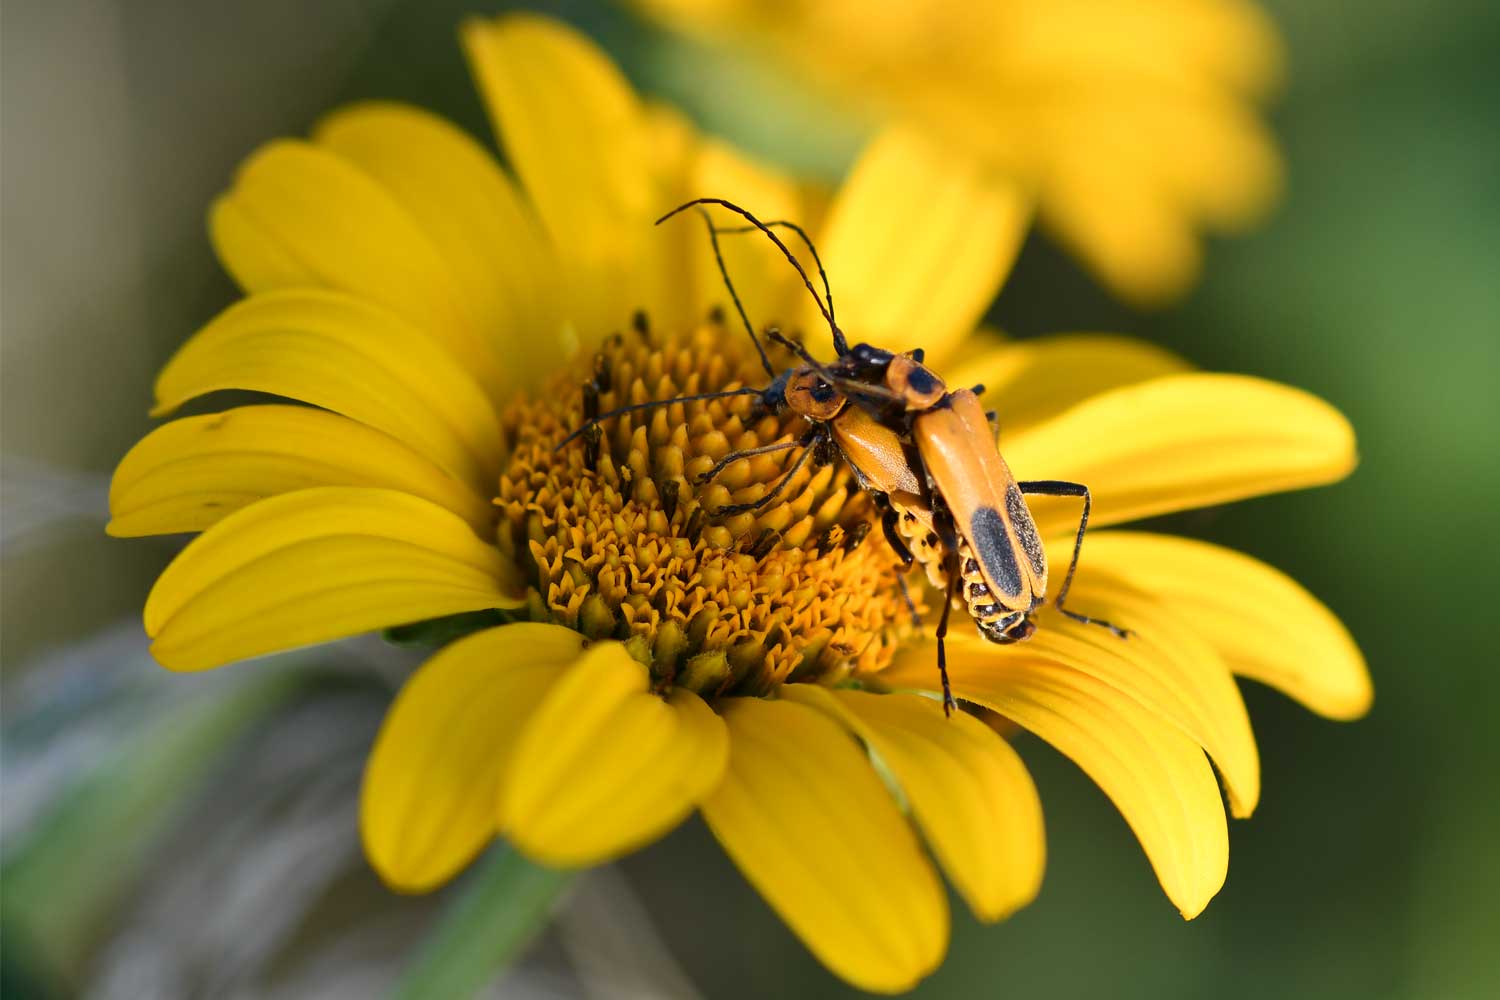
1134, 122
647, 659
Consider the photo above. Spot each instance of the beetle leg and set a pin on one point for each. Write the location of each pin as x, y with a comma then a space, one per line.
1058, 488
911, 606
776, 491
889, 520
735, 456
942, 633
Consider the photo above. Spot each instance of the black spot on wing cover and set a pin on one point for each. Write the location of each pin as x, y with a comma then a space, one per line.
991, 543
1025, 528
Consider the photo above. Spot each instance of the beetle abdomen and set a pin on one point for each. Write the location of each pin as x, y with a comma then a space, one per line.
983, 604
973, 594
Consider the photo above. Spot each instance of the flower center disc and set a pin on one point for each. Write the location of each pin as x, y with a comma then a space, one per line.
621, 540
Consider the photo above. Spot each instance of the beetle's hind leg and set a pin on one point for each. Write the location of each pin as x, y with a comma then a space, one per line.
1059, 488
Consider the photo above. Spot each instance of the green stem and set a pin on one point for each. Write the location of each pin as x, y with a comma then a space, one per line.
505, 906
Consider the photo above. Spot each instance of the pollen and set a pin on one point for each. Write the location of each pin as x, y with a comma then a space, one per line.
622, 539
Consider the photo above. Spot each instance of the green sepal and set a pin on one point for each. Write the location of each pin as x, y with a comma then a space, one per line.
436, 632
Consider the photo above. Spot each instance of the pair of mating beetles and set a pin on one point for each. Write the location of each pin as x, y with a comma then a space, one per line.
927, 455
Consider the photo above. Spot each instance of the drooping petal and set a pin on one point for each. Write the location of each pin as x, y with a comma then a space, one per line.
1028, 381
605, 765
1155, 774
806, 819
191, 473
967, 788
918, 241
300, 216
1164, 664
319, 564
573, 129
473, 215
1182, 441
1264, 624
428, 802
349, 356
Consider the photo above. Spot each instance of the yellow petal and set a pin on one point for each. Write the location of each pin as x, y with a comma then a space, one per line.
253, 255
917, 243
1130, 234
1224, 169
472, 213
349, 356
1263, 623
1029, 381
806, 819
193, 472
967, 788
679, 247
1182, 441
319, 564
573, 130
428, 802
605, 765
1156, 775
346, 233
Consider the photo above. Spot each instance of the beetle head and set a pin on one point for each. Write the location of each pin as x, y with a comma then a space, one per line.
809, 394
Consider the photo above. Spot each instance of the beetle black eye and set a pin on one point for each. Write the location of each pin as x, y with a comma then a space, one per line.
822, 392
917, 355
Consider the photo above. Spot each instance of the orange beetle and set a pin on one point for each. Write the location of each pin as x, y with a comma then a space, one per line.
928, 456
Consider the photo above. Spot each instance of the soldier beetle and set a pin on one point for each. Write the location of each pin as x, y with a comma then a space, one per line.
928, 456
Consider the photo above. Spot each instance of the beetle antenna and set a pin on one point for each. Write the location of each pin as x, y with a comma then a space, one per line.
840, 344
713, 238
634, 407
850, 387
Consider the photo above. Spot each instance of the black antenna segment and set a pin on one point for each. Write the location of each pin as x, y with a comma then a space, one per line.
839, 343
822, 274
713, 237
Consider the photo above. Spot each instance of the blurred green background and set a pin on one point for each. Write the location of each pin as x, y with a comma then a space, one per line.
1371, 866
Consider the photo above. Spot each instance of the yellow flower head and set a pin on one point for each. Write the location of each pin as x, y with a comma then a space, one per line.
1133, 121
440, 326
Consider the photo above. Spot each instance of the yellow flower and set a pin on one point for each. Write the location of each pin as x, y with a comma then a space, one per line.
1134, 122
441, 316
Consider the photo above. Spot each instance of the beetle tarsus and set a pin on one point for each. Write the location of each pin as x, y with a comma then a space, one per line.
1123, 633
